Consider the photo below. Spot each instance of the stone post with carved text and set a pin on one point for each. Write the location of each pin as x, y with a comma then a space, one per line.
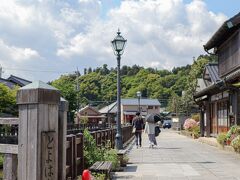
38, 132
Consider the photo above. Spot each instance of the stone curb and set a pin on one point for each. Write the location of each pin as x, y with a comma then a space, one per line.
212, 142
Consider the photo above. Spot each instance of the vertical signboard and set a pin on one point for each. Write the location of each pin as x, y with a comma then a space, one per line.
49, 164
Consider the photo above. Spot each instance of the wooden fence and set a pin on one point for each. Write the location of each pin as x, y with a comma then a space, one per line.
8, 130
42, 148
74, 142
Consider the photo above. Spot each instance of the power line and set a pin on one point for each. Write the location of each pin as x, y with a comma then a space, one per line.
35, 70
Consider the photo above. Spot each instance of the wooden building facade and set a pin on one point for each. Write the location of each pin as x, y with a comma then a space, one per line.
218, 92
89, 114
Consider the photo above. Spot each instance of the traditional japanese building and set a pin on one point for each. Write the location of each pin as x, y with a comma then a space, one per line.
89, 114
13, 81
130, 106
218, 91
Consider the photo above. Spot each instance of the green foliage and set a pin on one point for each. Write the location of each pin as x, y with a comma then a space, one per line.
5, 128
233, 132
92, 153
1, 160
235, 143
222, 138
98, 176
97, 85
188, 84
8, 100
83, 120
67, 86
111, 155
196, 131
196, 117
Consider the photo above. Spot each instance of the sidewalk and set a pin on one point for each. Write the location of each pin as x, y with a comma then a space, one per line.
179, 157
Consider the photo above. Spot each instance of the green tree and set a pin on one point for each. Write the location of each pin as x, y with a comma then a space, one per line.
8, 100
67, 86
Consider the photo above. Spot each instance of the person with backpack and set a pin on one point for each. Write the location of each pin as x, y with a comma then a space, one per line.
138, 126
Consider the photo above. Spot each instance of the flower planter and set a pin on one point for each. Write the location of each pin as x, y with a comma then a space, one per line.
228, 142
194, 136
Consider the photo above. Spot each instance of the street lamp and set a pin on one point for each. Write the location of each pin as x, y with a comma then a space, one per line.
139, 94
118, 45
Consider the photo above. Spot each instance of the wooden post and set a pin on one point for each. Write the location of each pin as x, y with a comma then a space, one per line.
62, 132
69, 158
38, 129
202, 121
208, 120
10, 167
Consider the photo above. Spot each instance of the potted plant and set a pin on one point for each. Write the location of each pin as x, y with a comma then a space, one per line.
236, 143
222, 138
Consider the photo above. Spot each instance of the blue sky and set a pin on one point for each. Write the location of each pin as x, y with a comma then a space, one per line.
228, 7
39, 40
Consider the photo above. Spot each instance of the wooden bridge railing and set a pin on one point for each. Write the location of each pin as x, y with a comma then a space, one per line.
74, 142
8, 130
41, 148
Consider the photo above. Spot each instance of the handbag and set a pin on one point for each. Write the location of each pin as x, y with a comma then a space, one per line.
157, 130
133, 130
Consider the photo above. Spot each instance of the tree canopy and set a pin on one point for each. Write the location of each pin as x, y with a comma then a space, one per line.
99, 85
8, 100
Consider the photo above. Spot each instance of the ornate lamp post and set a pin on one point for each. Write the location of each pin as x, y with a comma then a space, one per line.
139, 94
118, 45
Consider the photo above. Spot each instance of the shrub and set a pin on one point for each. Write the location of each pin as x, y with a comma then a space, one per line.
233, 132
1, 160
235, 143
92, 153
111, 155
99, 176
196, 131
196, 117
189, 124
221, 138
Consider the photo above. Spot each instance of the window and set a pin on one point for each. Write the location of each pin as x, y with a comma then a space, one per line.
222, 114
150, 107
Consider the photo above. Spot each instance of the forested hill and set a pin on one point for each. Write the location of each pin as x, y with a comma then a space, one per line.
97, 86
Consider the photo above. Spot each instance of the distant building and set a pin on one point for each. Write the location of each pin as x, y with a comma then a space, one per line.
90, 114
217, 93
14, 81
129, 107
109, 112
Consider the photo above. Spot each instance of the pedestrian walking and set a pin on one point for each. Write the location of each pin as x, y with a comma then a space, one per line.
150, 130
138, 125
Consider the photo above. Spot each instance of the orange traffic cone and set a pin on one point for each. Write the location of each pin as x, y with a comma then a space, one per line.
86, 175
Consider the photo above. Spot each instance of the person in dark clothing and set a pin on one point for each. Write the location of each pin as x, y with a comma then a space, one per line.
138, 124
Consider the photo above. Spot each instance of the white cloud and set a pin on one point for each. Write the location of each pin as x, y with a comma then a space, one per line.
168, 32
16, 54
64, 34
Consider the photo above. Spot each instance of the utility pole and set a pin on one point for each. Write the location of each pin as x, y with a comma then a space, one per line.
77, 89
1, 71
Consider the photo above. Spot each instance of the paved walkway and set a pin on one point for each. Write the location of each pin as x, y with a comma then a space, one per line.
180, 157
